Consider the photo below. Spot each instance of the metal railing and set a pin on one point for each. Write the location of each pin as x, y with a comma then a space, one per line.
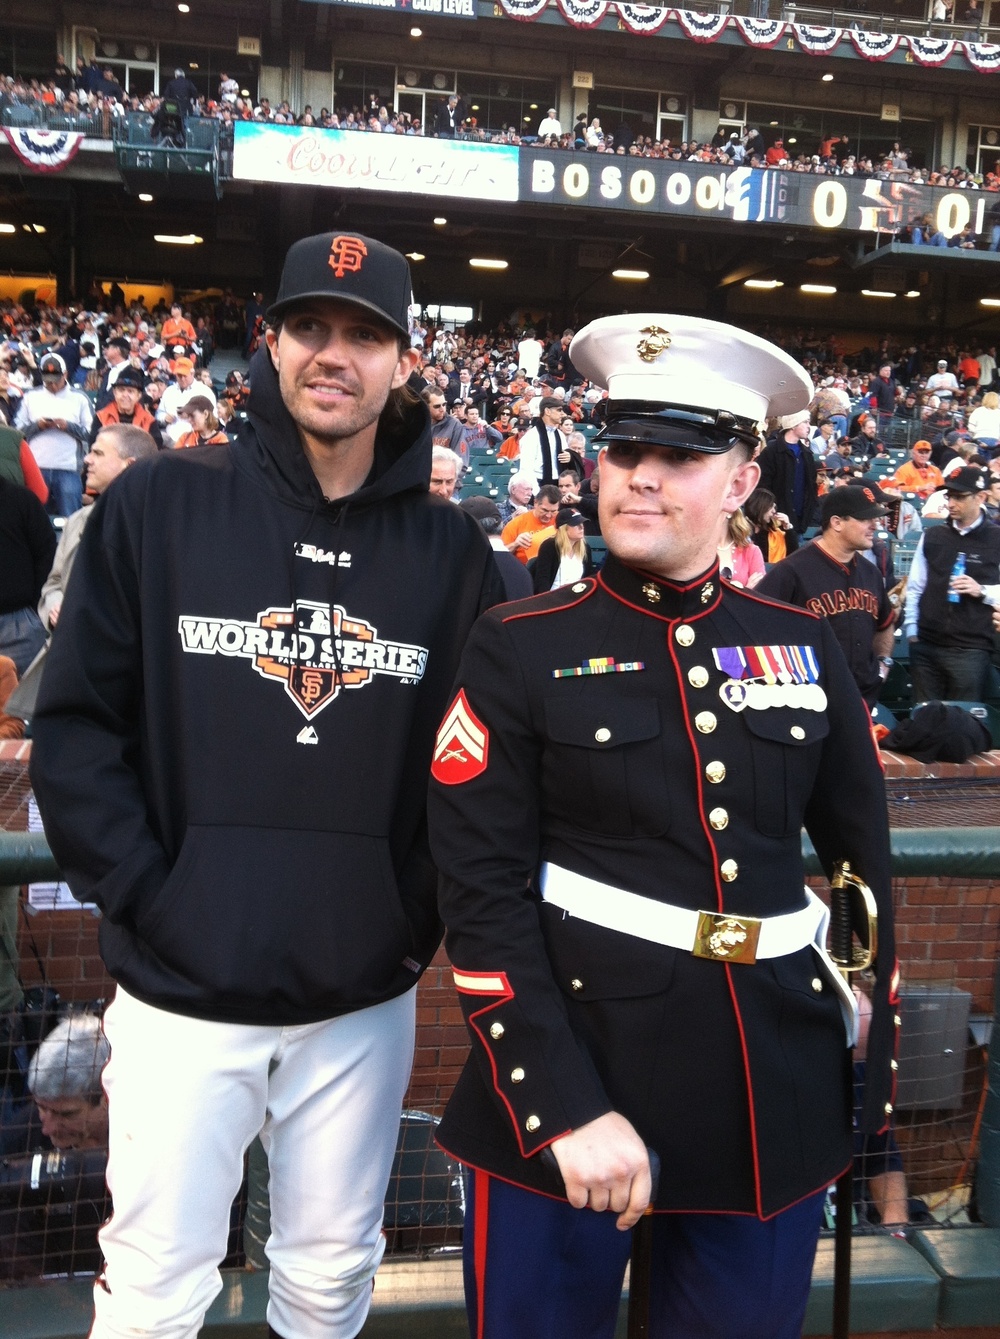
97, 124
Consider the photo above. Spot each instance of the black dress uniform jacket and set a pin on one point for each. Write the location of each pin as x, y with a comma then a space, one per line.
738, 1075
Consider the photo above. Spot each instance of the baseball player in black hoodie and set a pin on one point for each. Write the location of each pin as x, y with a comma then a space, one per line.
231, 750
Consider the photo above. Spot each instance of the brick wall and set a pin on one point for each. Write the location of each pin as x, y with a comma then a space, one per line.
948, 929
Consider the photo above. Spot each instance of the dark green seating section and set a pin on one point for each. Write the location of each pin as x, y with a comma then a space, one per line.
968, 1265
892, 1288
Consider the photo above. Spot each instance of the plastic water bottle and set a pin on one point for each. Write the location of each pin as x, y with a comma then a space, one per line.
957, 571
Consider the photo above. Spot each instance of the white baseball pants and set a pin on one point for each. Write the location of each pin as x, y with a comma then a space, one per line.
186, 1098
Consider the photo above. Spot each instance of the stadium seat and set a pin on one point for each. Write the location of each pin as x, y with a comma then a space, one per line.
598, 549
893, 1287
967, 1261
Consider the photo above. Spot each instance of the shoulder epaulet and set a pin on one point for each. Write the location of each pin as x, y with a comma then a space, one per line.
550, 602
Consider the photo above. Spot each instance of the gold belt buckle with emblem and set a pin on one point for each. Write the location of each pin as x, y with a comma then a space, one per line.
726, 938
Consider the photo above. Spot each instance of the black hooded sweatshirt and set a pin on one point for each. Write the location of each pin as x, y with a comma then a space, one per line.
236, 722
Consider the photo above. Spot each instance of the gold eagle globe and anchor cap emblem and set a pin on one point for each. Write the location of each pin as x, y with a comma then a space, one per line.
656, 341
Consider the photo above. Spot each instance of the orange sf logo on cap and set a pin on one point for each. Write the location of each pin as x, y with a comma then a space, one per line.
869, 495
346, 255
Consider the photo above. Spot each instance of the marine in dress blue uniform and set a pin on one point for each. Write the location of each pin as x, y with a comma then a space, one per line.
618, 794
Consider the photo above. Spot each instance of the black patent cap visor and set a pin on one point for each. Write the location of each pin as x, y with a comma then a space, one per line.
712, 431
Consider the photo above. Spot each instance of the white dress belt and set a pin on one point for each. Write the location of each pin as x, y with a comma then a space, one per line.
677, 927
724, 937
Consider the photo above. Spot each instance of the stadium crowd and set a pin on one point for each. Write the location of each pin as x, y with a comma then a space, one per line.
491, 394
92, 97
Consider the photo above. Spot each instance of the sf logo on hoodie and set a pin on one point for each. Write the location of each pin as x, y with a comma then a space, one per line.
312, 653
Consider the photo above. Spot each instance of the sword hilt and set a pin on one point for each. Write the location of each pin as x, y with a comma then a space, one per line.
853, 912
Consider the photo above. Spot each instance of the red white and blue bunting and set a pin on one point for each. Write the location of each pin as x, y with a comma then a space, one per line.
583, 13
44, 150
816, 41
645, 20
526, 10
874, 46
931, 50
761, 32
702, 27
983, 56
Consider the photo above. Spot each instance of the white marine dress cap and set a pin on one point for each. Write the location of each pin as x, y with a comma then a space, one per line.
684, 369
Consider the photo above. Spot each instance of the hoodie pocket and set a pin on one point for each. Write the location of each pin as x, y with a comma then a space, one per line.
301, 918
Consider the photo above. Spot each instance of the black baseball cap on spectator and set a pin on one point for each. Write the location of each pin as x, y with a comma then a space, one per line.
52, 365
861, 502
349, 267
568, 516
969, 479
482, 508
131, 376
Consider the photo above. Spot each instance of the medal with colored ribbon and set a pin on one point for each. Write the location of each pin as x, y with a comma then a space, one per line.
759, 677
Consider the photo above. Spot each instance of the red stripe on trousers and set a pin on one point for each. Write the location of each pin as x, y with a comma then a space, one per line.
481, 1220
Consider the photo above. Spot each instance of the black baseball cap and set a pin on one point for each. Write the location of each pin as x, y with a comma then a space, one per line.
969, 479
352, 268
131, 376
482, 508
569, 516
861, 502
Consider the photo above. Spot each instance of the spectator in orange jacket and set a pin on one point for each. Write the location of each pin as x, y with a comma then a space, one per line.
177, 329
917, 475
205, 431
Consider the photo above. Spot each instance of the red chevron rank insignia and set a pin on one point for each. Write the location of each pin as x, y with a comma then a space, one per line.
462, 745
